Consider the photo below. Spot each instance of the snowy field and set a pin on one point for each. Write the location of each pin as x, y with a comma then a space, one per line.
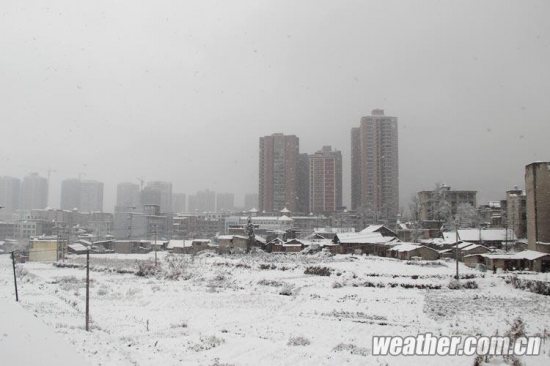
260, 309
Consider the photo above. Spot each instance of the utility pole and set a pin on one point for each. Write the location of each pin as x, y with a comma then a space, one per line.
57, 234
456, 251
14, 276
63, 246
88, 290
156, 245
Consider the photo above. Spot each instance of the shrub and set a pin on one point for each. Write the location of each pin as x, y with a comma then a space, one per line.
181, 324
470, 285
336, 284
457, 285
318, 271
538, 287
287, 290
454, 285
207, 343
267, 266
146, 269
298, 341
351, 348
273, 283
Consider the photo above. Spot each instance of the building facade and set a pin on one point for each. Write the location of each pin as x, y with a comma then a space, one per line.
325, 180
91, 196
34, 192
278, 173
537, 190
10, 194
441, 203
70, 194
165, 189
225, 202
250, 201
375, 167
304, 182
516, 212
179, 202
127, 195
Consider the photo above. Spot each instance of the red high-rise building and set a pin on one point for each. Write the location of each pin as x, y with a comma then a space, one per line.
325, 180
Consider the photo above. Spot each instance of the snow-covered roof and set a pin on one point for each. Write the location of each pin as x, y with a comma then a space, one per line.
77, 247
225, 237
526, 254
179, 244
285, 218
333, 230
285, 210
463, 245
472, 247
531, 254
405, 247
358, 238
476, 234
371, 229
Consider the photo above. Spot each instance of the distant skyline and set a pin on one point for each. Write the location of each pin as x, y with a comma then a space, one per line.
181, 91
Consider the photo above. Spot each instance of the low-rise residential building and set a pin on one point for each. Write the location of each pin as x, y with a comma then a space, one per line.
408, 251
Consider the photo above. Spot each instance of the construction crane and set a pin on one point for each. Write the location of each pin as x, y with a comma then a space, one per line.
142, 182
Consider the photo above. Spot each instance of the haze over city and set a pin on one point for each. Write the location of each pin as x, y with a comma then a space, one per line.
182, 92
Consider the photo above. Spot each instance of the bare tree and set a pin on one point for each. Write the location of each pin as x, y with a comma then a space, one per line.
467, 216
415, 219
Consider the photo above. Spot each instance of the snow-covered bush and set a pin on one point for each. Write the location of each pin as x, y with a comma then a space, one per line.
181, 324
217, 363
102, 291
175, 267
147, 269
351, 348
318, 271
207, 343
272, 283
457, 285
287, 290
298, 341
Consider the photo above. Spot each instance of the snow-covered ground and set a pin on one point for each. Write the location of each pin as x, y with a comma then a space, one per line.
255, 310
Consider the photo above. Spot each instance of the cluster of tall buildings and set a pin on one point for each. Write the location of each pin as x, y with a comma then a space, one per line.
298, 182
313, 182
27, 194
82, 195
159, 193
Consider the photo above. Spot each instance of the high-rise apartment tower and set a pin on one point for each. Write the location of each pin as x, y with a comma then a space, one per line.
375, 167
278, 172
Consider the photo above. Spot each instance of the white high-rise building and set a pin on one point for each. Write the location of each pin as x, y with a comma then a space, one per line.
165, 189
91, 196
127, 195
10, 194
34, 192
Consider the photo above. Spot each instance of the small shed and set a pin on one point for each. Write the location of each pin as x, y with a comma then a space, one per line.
77, 248
406, 251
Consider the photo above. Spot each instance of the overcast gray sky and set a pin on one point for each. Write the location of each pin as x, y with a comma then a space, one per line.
182, 90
